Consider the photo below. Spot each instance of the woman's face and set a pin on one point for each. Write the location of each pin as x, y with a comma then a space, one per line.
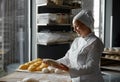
78, 27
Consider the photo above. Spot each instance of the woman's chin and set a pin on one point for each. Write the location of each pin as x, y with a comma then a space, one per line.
78, 34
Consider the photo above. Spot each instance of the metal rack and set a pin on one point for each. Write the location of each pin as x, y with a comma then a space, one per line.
110, 61
43, 12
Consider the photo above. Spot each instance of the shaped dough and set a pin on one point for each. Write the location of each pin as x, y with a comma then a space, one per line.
51, 69
45, 70
58, 71
29, 80
112, 57
107, 56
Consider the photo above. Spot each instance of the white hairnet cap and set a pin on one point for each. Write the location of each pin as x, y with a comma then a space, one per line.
85, 16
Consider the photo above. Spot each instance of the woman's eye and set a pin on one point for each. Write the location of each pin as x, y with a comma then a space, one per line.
76, 26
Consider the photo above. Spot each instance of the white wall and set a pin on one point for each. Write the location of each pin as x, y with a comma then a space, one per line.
108, 13
87, 4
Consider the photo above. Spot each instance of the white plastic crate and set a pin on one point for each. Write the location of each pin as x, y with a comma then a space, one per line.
51, 18
56, 2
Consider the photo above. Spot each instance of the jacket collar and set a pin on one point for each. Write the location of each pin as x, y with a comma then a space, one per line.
88, 36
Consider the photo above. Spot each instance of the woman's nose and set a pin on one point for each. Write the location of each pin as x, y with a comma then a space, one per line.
74, 29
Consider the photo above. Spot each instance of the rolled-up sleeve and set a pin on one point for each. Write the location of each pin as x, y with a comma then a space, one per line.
65, 60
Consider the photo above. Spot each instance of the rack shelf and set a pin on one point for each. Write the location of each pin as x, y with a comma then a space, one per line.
54, 19
110, 61
63, 28
53, 9
52, 6
113, 68
111, 52
54, 24
55, 43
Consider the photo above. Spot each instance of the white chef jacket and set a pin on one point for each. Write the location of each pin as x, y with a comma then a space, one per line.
83, 59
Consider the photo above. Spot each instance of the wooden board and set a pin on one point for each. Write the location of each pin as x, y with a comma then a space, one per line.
18, 70
42, 77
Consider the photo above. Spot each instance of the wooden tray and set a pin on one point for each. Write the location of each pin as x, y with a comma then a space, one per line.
18, 70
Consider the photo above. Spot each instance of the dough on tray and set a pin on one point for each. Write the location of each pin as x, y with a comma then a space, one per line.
58, 71
51, 69
45, 70
29, 80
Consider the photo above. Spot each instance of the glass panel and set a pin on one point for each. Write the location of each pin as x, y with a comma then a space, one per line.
1, 38
96, 12
14, 32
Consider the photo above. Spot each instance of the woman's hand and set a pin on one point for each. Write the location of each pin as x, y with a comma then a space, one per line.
64, 67
55, 64
50, 62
